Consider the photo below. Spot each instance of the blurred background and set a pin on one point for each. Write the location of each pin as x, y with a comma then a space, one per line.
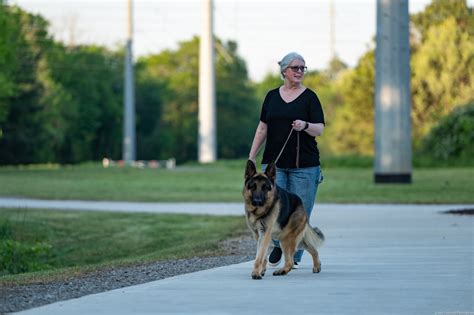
62, 93
62, 78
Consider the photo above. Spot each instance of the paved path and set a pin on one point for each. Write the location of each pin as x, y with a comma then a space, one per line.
217, 208
391, 259
119, 206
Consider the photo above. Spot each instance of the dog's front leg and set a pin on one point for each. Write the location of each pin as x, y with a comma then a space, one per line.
257, 268
260, 264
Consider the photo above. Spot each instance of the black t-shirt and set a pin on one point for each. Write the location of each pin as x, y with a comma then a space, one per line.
279, 115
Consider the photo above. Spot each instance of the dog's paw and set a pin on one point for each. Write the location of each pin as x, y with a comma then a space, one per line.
280, 272
317, 269
257, 275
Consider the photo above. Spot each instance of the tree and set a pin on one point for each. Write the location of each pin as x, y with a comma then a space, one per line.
442, 75
57, 104
442, 72
440, 10
175, 129
149, 98
237, 108
93, 77
170, 129
8, 61
31, 113
351, 130
269, 82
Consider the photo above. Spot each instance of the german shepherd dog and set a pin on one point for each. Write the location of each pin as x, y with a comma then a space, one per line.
274, 213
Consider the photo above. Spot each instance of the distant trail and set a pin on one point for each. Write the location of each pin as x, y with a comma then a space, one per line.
210, 208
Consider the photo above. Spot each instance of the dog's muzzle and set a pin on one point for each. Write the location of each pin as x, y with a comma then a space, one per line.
258, 200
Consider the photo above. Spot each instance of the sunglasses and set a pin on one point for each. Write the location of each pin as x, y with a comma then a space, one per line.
298, 68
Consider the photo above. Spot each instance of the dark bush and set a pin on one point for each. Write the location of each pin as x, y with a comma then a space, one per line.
453, 138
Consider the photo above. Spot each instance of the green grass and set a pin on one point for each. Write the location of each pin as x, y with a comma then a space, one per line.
430, 185
222, 181
93, 182
83, 241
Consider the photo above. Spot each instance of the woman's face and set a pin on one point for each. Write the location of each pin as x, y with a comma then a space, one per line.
295, 71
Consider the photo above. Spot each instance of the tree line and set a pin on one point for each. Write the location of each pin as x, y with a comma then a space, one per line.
64, 104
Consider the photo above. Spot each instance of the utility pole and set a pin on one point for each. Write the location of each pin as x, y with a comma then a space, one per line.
207, 104
128, 152
393, 151
332, 30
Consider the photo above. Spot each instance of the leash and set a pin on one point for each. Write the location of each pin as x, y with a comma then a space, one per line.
297, 148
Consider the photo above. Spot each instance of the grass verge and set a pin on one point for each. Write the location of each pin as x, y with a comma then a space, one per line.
82, 242
222, 182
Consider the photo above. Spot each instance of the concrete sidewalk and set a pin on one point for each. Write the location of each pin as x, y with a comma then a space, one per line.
214, 208
376, 260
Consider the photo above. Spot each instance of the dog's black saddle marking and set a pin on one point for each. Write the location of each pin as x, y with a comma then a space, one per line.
289, 202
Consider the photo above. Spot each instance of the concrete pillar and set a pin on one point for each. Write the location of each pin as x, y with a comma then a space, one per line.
207, 104
393, 150
128, 149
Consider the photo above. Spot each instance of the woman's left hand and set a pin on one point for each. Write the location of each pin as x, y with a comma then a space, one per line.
298, 125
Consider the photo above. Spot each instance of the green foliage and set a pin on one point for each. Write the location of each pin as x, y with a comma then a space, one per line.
440, 10
29, 118
93, 80
152, 138
351, 130
443, 75
178, 121
7, 63
238, 110
453, 137
64, 104
269, 82
18, 257
168, 111
56, 104
442, 69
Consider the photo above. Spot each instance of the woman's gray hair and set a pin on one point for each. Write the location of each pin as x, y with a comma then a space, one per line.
285, 62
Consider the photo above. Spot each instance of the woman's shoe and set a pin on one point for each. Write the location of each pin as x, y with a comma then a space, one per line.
275, 256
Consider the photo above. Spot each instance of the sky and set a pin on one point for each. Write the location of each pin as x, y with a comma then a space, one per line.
265, 30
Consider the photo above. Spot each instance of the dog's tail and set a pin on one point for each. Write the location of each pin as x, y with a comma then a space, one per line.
313, 237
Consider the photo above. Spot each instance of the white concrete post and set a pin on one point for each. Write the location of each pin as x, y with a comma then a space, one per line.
207, 104
393, 151
128, 150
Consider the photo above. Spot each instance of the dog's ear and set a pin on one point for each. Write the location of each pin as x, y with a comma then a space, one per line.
271, 171
250, 170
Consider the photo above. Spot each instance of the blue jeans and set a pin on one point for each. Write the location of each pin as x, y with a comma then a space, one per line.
302, 182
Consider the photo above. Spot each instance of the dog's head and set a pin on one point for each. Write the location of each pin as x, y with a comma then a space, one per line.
259, 188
